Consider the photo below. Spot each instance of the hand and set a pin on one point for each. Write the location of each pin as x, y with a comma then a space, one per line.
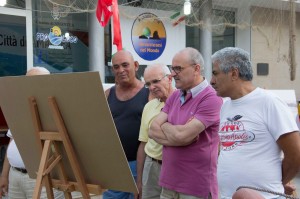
196, 138
289, 188
138, 195
3, 186
139, 186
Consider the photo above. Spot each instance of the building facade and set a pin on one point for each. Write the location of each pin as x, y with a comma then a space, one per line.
36, 33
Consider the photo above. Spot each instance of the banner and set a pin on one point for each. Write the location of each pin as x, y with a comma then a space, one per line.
150, 38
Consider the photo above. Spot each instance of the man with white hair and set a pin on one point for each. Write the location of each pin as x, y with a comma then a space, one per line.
14, 178
159, 81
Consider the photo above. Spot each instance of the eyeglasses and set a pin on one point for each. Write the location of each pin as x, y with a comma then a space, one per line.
155, 81
178, 69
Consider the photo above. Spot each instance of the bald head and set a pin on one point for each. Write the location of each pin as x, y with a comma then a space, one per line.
124, 68
159, 81
191, 56
159, 68
37, 71
124, 54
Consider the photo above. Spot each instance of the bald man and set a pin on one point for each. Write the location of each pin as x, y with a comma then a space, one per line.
126, 101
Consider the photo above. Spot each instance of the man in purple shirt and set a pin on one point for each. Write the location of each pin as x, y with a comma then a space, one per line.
187, 127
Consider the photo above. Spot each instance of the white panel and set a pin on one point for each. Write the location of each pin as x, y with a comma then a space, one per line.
12, 11
29, 34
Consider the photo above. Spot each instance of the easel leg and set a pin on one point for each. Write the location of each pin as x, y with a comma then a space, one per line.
68, 147
62, 173
42, 167
48, 185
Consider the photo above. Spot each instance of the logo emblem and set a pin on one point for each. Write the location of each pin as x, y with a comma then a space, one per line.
55, 36
148, 36
233, 134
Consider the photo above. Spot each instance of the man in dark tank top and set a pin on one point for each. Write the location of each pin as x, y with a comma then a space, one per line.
126, 101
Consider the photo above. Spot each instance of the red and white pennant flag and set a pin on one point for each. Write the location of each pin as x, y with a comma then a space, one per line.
103, 14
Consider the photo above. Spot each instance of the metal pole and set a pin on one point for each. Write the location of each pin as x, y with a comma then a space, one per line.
205, 14
292, 39
96, 46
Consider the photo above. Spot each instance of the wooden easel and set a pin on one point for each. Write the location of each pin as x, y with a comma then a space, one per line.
51, 157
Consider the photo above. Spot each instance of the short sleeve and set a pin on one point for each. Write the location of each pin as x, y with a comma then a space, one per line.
8, 134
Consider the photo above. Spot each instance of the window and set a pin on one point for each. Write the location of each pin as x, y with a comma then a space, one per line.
221, 36
13, 59
60, 39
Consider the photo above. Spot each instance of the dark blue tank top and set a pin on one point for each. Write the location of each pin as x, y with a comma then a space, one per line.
127, 117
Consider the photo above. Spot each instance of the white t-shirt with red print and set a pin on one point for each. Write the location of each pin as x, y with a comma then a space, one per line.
249, 154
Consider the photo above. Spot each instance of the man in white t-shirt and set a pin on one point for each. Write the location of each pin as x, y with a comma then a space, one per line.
14, 178
255, 127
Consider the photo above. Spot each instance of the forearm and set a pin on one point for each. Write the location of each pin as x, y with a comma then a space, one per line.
141, 155
177, 136
4, 178
290, 145
290, 168
5, 168
165, 142
170, 138
155, 132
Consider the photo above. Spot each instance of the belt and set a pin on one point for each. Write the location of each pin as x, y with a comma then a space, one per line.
20, 170
156, 160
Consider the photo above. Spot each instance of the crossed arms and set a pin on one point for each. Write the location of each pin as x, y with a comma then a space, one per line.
168, 134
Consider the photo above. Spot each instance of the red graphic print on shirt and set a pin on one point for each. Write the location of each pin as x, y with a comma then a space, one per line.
233, 134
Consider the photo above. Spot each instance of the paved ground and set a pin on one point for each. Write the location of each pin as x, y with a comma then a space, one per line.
296, 182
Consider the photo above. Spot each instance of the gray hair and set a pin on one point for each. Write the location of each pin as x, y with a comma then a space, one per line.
232, 57
164, 68
195, 57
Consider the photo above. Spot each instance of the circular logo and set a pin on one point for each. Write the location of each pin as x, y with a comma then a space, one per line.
55, 36
148, 36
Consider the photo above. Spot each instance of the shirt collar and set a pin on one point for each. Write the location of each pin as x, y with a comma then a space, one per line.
197, 89
158, 102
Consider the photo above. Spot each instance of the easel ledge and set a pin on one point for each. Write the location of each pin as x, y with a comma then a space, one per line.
73, 186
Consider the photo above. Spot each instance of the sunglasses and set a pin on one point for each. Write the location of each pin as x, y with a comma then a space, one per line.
155, 81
